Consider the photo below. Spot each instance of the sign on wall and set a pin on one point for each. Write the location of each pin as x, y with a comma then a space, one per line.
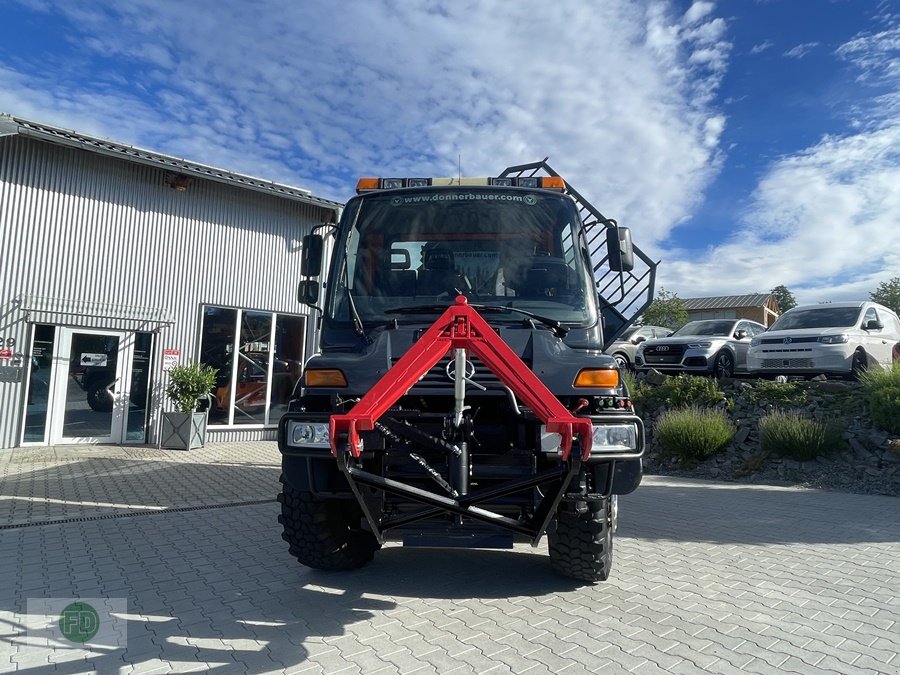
171, 357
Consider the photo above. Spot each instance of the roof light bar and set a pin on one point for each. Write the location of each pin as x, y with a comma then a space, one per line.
542, 182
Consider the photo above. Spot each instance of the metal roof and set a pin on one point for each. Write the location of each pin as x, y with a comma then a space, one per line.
11, 125
729, 301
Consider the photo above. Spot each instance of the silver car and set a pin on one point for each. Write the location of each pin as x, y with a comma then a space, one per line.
626, 345
711, 347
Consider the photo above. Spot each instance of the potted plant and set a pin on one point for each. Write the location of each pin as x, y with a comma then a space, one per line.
188, 386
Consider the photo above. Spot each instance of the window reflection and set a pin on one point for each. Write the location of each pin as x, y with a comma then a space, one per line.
258, 367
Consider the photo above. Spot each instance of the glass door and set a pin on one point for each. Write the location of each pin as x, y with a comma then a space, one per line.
93, 376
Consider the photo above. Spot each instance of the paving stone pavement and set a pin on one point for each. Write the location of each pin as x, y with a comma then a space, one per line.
708, 577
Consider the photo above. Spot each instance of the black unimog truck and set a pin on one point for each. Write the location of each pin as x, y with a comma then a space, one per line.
461, 396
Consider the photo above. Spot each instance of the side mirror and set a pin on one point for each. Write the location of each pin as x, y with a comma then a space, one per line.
619, 248
740, 334
874, 324
308, 292
311, 255
638, 340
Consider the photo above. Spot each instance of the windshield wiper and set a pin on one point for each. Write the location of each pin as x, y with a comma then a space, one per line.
558, 329
418, 309
358, 327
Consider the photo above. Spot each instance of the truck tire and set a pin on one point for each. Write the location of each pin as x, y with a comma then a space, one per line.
320, 533
581, 544
98, 398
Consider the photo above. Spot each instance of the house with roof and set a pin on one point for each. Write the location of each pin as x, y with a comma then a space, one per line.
760, 307
120, 262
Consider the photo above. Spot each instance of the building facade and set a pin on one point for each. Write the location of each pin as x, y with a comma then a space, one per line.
759, 307
120, 263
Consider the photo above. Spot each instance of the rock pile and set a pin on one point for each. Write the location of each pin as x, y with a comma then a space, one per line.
867, 463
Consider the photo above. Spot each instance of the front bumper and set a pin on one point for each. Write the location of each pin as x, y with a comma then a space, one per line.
801, 359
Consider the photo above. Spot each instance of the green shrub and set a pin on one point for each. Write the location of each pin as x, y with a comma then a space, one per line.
681, 391
883, 393
694, 433
189, 384
786, 433
691, 390
778, 393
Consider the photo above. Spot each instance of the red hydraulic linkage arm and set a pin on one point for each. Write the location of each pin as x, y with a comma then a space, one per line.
460, 327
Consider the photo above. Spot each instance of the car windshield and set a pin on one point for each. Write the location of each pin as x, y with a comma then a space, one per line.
417, 250
818, 317
713, 328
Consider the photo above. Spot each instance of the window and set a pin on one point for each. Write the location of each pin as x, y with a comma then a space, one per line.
259, 356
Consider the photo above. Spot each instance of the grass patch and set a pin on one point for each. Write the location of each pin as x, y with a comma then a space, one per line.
786, 433
681, 391
882, 389
694, 433
778, 393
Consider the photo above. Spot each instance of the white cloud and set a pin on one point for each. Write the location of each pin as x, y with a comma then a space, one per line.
761, 47
315, 95
827, 214
801, 50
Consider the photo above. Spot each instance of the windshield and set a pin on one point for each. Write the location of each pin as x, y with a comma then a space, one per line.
498, 247
714, 328
818, 317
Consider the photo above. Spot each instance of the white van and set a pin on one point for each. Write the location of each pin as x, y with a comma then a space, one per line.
841, 338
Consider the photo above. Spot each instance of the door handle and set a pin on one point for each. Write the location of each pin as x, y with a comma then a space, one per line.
109, 390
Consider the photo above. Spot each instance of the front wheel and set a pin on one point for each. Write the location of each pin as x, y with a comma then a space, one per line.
860, 364
622, 361
324, 533
581, 540
723, 366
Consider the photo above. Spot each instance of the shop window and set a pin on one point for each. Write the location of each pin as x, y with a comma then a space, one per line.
259, 356
39, 384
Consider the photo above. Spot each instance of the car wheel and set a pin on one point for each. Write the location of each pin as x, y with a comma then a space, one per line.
723, 366
622, 361
860, 364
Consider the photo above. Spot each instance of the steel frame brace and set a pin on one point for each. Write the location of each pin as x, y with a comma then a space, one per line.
459, 327
464, 505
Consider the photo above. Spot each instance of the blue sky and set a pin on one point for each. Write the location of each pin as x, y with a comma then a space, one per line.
746, 143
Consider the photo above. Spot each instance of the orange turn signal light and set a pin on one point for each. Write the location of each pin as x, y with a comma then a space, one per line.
553, 182
364, 184
325, 378
590, 377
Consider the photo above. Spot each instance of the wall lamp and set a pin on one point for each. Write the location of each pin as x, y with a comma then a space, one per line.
178, 181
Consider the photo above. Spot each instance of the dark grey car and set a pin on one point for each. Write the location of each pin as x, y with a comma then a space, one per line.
624, 349
710, 347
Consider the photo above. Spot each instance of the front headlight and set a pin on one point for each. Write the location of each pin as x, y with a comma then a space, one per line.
614, 438
755, 341
308, 434
834, 339
700, 345
606, 438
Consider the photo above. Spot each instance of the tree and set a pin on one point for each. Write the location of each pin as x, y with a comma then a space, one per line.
888, 294
666, 310
784, 298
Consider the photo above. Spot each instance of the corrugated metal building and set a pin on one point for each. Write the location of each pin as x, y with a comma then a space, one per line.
120, 262
759, 307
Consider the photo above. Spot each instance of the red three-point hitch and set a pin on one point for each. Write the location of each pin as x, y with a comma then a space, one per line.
460, 327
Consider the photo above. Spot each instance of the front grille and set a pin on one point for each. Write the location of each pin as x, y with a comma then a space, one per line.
664, 354
786, 350
437, 378
787, 340
788, 363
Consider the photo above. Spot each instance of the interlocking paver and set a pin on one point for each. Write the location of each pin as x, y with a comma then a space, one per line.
712, 577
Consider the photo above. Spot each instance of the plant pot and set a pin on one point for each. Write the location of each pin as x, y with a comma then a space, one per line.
183, 431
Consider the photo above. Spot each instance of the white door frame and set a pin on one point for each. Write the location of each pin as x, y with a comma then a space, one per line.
59, 386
